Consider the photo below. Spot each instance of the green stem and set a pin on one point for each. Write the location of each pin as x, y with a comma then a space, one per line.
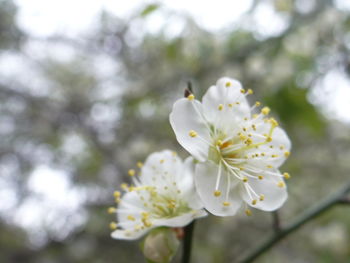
337, 198
187, 243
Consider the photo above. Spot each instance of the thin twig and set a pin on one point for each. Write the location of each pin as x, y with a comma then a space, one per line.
276, 223
187, 243
305, 217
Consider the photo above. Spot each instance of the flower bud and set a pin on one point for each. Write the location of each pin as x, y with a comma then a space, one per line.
160, 245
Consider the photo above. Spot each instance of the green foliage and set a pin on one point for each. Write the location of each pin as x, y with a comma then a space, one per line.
149, 9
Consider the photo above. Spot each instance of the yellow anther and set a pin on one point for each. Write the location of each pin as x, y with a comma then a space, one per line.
226, 203
146, 222
145, 214
254, 127
131, 218
256, 155
254, 201
248, 212
190, 97
250, 91
113, 225
230, 105
116, 194
217, 193
274, 155
245, 179
171, 204
282, 147
262, 197
242, 137
286, 154
131, 172
255, 116
174, 153
220, 107
242, 90
124, 186
228, 84
269, 139
245, 118
271, 146
257, 103
237, 102
260, 177
244, 129
161, 161
250, 135
280, 184
249, 141
286, 175
273, 122
269, 166
139, 164
192, 133
111, 210
219, 143
241, 168
265, 110
262, 154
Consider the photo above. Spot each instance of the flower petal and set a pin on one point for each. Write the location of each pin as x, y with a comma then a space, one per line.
274, 195
276, 151
186, 185
205, 180
129, 235
225, 105
180, 221
185, 117
158, 164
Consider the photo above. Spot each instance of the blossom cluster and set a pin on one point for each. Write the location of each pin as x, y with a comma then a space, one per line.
236, 151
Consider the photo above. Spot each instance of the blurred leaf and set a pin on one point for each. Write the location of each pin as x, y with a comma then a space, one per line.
294, 109
149, 10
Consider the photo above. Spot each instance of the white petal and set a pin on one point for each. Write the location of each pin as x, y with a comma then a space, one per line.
274, 196
158, 164
181, 220
187, 116
223, 95
280, 145
205, 180
128, 234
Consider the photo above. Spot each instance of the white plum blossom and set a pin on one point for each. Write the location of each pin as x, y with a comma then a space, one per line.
239, 151
162, 194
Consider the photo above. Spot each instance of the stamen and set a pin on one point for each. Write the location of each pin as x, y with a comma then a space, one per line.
286, 175
248, 212
281, 184
111, 210
113, 225
192, 133
131, 172
217, 193
190, 97
218, 180
265, 110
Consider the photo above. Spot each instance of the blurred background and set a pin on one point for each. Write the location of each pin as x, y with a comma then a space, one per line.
85, 92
